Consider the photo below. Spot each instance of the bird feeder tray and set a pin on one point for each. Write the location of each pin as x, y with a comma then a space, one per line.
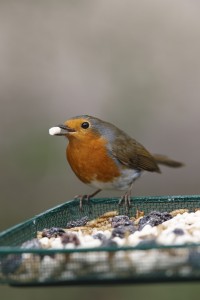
107, 264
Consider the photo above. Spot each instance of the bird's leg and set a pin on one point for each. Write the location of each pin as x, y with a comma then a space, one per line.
87, 197
126, 198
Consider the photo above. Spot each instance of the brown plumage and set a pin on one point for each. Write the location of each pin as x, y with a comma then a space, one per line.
105, 157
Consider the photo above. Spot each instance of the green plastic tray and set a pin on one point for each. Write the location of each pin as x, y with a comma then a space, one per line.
26, 267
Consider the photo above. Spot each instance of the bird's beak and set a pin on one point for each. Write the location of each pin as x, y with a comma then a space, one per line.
60, 130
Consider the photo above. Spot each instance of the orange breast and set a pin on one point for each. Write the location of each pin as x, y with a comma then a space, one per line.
89, 160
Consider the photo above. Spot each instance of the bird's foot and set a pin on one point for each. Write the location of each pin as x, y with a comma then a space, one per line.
81, 198
85, 197
126, 200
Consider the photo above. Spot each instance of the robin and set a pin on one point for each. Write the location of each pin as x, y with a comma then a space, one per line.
105, 157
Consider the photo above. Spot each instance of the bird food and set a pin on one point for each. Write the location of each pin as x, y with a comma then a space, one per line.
161, 241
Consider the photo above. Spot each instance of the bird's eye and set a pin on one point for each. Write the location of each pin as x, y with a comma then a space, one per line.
85, 125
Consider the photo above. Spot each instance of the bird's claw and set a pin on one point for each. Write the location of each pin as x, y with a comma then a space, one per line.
81, 198
85, 197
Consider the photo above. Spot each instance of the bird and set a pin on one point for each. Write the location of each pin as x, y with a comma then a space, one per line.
106, 157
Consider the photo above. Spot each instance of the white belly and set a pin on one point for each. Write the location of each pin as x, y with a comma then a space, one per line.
123, 182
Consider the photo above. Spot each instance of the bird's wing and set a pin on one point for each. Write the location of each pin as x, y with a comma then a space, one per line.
132, 154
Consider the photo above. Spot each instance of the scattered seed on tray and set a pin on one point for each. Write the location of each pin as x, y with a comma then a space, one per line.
111, 230
53, 232
121, 220
121, 231
69, 237
81, 222
154, 218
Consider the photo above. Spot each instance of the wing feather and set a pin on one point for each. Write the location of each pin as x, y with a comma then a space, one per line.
132, 154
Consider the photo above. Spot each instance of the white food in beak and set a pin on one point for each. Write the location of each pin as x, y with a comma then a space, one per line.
55, 130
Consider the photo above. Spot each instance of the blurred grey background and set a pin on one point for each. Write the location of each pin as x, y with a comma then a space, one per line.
133, 63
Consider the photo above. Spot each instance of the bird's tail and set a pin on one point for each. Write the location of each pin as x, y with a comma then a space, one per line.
166, 161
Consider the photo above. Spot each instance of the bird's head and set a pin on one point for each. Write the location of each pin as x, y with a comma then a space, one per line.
79, 127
